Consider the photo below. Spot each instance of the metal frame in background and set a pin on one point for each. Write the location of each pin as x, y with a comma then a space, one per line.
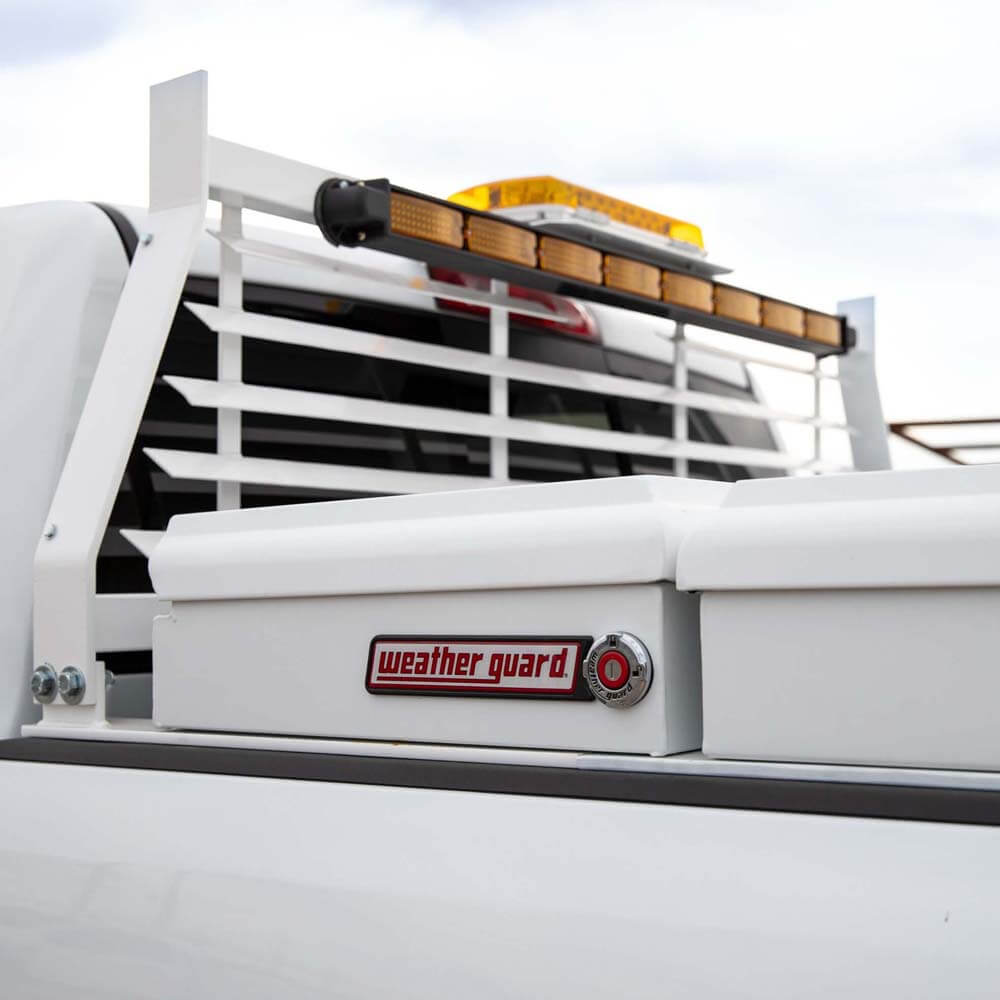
187, 168
905, 429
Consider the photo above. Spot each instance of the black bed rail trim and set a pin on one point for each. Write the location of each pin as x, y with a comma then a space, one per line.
124, 228
899, 802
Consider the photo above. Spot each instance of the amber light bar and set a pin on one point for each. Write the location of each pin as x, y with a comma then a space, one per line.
443, 234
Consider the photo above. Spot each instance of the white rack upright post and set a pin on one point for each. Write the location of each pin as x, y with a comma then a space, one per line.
818, 414
859, 388
66, 557
230, 345
680, 409
499, 399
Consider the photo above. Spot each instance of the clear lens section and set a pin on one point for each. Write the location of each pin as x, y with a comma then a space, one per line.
683, 290
425, 220
500, 240
570, 260
734, 303
632, 276
783, 317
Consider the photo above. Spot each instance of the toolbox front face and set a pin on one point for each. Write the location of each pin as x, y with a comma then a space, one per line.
501, 668
866, 676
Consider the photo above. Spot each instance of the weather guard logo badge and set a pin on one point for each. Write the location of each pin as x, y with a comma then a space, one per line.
515, 666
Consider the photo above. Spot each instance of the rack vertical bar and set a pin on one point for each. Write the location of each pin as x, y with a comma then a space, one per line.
230, 345
680, 411
499, 398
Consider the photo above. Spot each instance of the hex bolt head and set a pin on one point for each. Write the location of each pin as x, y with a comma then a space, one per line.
44, 684
72, 685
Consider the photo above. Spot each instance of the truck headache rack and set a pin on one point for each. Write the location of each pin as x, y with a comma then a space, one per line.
188, 167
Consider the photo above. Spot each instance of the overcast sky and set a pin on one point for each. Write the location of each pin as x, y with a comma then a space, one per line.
828, 150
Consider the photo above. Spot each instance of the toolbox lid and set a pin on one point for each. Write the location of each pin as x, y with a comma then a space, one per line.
927, 528
621, 530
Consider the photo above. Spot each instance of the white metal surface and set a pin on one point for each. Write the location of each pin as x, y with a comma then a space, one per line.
273, 611
255, 888
298, 666
362, 270
680, 410
331, 338
61, 270
603, 531
499, 398
125, 621
889, 677
921, 528
64, 562
859, 388
852, 619
265, 182
142, 541
208, 466
228, 396
143, 730
229, 350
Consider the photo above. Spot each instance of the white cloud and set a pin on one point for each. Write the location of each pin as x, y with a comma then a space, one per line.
829, 150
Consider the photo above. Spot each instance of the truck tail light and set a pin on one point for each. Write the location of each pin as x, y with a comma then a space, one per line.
583, 326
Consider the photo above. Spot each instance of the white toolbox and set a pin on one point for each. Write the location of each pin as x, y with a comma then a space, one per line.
316, 619
852, 619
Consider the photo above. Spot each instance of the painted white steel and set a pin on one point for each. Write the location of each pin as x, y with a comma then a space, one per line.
125, 621
143, 730
923, 528
329, 406
229, 352
560, 560
680, 412
208, 466
332, 338
859, 388
413, 283
499, 397
263, 181
61, 271
603, 531
64, 563
851, 619
142, 541
900, 677
241, 888
297, 666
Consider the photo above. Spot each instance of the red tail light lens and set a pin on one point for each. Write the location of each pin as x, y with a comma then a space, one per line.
582, 326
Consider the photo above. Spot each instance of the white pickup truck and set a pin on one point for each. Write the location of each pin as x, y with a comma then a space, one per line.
571, 679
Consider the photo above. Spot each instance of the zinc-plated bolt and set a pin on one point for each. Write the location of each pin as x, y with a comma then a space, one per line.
146, 239
50, 532
109, 678
44, 683
72, 685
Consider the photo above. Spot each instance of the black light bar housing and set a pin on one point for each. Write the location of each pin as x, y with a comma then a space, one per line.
358, 213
